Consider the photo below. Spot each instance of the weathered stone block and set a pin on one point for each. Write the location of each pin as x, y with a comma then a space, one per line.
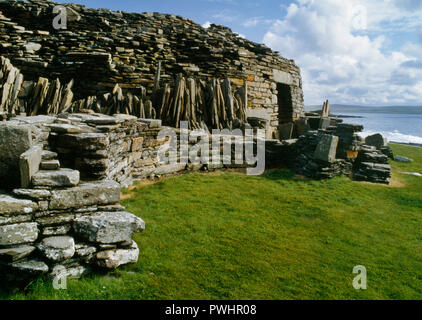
137, 144
108, 227
170, 169
403, 159
57, 248
15, 253
55, 219
324, 123
56, 230
15, 219
29, 164
104, 192
56, 178
36, 194
376, 140
13, 206
326, 149
112, 259
18, 233
74, 272
27, 266
152, 123
14, 140
50, 165
286, 131
48, 155
83, 141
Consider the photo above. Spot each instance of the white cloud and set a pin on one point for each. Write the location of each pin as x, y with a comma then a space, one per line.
338, 58
206, 25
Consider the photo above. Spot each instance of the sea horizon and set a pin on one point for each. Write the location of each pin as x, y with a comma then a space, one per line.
397, 124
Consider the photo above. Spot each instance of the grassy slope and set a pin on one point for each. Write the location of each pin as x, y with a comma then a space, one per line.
230, 236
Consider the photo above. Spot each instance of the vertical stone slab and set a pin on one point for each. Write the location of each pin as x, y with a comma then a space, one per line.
14, 140
326, 149
286, 131
29, 164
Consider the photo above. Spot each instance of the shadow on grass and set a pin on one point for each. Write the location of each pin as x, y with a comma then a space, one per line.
279, 174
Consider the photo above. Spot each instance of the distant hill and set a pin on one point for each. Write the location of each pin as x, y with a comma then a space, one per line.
339, 108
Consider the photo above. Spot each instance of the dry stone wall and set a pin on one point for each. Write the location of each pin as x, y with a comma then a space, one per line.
59, 208
140, 53
53, 222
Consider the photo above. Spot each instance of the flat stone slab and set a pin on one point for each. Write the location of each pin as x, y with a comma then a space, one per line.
50, 165
83, 141
171, 168
403, 159
56, 230
99, 119
112, 259
18, 233
49, 155
152, 123
16, 253
36, 194
33, 267
13, 206
14, 140
57, 178
86, 194
74, 272
29, 164
35, 120
326, 149
57, 248
108, 227
376, 140
65, 128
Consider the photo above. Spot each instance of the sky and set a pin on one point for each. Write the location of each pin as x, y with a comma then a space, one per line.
356, 52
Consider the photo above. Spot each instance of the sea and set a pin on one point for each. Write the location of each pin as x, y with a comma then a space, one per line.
404, 128
398, 124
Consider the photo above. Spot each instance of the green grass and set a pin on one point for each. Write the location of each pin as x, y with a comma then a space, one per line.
232, 236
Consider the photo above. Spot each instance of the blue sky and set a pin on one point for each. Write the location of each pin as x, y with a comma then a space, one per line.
366, 52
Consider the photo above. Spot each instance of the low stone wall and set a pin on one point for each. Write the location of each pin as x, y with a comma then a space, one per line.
62, 177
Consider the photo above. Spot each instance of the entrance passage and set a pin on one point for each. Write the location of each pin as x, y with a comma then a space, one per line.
285, 104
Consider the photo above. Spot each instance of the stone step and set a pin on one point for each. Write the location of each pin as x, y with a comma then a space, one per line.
50, 165
56, 178
48, 155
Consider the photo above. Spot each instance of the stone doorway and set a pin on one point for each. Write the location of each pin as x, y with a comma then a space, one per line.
285, 103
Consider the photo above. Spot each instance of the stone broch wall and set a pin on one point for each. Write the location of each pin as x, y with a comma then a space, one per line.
138, 52
53, 221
